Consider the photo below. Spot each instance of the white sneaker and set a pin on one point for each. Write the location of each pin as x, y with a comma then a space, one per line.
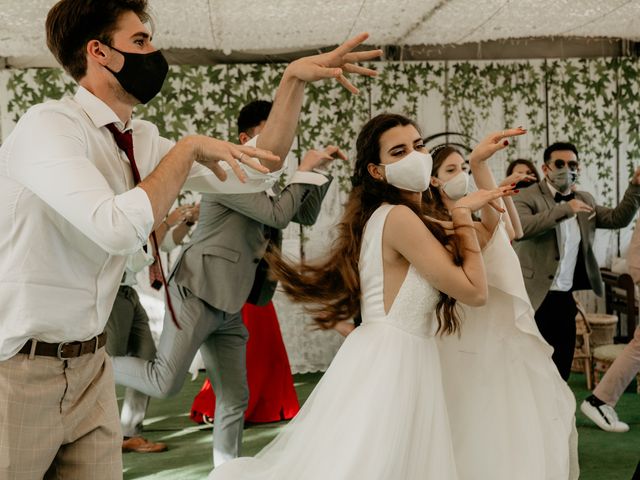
604, 416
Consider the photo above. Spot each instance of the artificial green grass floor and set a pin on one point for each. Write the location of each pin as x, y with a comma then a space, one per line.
603, 456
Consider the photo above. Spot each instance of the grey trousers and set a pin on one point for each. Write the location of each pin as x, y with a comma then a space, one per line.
128, 333
222, 340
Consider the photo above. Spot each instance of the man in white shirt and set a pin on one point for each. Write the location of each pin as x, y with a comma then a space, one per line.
556, 250
73, 213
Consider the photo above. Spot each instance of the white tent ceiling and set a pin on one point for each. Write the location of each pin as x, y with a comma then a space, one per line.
276, 26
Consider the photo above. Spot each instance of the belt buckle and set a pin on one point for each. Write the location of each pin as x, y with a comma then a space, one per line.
61, 345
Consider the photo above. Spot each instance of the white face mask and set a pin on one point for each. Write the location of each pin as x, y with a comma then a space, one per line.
411, 173
457, 187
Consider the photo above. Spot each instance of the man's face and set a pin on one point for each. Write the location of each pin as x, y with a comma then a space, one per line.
561, 159
130, 35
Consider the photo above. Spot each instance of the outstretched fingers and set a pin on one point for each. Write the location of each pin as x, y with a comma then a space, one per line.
230, 158
217, 170
498, 137
350, 44
334, 151
506, 190
495, 204
357, 69
250, 156
363, 56
342, 80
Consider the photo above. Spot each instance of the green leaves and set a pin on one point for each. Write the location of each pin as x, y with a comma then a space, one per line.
594, 103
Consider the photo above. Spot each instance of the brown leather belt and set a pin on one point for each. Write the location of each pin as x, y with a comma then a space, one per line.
65, 350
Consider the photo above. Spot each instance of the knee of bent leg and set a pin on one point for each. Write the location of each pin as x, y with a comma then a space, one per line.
167, 387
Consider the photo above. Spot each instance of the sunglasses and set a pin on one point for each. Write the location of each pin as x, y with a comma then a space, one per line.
560, 164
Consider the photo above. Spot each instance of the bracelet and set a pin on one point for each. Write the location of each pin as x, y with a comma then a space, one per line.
167, 224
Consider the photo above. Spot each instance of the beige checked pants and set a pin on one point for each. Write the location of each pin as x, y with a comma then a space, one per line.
59, 419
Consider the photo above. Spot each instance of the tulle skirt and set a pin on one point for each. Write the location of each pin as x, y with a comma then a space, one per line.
378, 413
511, 414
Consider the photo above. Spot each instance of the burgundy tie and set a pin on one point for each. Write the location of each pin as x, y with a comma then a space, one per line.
124, 140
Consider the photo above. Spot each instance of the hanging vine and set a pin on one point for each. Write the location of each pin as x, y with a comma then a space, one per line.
590, 102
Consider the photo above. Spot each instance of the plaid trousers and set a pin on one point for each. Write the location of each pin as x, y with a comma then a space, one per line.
59, 419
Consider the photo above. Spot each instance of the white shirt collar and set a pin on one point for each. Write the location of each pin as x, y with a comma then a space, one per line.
99, 112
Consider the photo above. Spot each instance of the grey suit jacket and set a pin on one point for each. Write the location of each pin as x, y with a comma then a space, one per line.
219, 264
538, 248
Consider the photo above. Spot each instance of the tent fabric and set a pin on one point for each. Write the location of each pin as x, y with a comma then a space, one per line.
269, 26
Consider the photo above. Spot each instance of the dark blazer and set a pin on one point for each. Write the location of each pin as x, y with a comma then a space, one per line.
219, 264
538, 248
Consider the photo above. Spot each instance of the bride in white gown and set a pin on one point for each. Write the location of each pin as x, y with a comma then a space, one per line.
379, 411
511, 414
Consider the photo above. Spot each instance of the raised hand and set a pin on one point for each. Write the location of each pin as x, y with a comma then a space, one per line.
320, 158
493, 143
193, 214
177, 216
579, 206
480, 198
335, 64
515, 178
210, 151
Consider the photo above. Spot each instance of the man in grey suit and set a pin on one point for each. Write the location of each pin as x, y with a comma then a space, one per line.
556, 250
213, 279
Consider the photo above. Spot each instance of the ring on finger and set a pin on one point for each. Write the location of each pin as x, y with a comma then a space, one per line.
240, 157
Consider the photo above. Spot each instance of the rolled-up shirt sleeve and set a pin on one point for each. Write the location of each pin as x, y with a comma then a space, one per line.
51, 161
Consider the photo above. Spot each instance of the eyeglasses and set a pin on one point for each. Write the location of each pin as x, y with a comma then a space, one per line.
559, 164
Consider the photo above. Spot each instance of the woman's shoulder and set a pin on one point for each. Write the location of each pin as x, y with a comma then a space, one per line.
401, 214
398, 209
403, 224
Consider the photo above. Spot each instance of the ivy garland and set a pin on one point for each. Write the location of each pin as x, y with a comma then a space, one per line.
594, 103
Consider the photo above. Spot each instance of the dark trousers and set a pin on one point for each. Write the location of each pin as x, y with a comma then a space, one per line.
556, 319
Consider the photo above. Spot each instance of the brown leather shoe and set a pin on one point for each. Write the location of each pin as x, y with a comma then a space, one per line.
142, 445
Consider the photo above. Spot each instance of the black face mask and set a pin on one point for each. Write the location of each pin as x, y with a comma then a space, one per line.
142, 74
524, 184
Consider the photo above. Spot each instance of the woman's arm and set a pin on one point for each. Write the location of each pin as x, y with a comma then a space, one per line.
406, 234
484, 180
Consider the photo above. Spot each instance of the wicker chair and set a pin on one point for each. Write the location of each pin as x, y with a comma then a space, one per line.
582, 359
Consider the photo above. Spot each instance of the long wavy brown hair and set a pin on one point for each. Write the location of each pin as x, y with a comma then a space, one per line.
330, 287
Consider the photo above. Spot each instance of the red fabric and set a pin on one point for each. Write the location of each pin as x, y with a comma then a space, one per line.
271, 394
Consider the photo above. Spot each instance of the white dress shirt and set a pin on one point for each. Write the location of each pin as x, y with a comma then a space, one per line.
568, 235
70, 216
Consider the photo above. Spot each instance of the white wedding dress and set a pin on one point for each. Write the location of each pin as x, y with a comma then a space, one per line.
378, 413
511, 414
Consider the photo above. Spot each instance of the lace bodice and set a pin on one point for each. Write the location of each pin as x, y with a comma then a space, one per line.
416, 298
